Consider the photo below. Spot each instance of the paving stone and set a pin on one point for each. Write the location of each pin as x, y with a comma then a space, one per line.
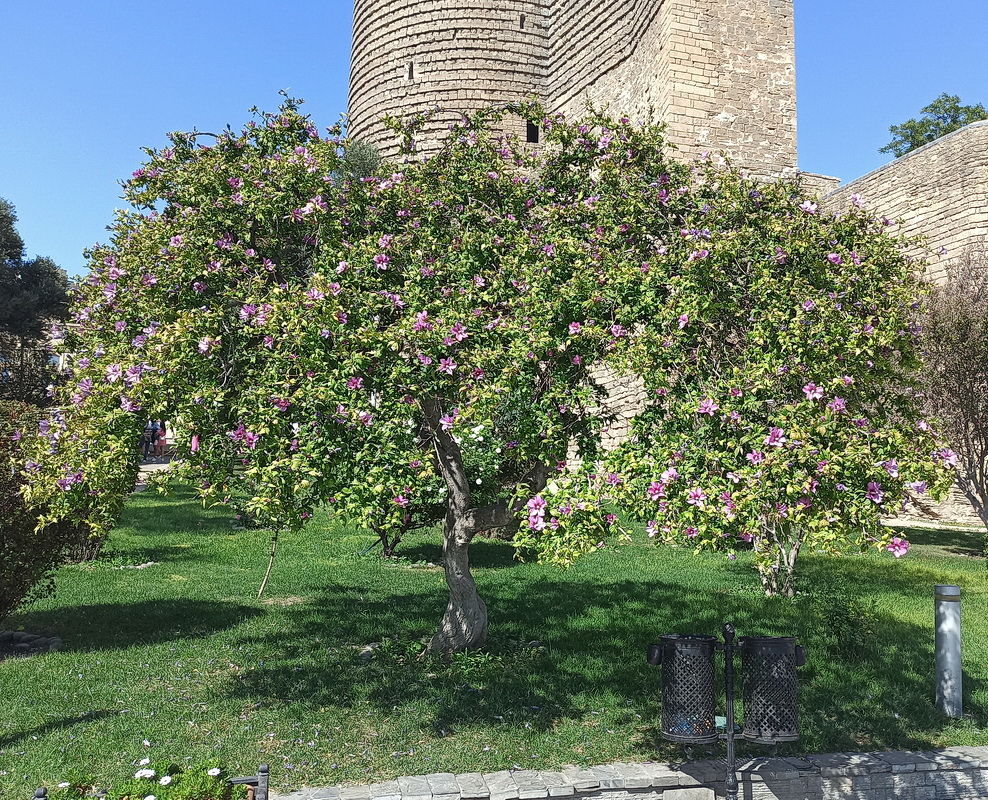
556, 784
901, 762
472, 786
502, 785
693, 793
634, 776
355, 793
950, 759
415, 787
583, 780
530, 784
385, 791
608, 776
836, 765
328, 794
661, 775
443, 786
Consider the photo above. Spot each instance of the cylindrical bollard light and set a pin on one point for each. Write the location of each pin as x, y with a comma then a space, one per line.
948, 650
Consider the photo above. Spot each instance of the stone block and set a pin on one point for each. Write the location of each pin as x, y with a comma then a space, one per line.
583, 780
661, 775
385, 791
415, 787
530, 784
355, 793
557, 785
502, 785
634, 776
608, 776
472, 786
692, 793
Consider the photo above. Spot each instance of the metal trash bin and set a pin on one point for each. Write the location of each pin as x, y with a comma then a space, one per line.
687, 686
768, 688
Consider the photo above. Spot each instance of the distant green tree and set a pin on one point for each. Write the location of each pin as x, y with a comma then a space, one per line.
33, 292
942, 116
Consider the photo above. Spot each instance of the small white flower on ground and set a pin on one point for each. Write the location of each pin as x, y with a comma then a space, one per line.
144, 773
144, 761
165, 780
150, 797
64, 785
213, 772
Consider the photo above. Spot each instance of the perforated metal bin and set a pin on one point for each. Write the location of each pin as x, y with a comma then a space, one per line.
687, 662
768, 688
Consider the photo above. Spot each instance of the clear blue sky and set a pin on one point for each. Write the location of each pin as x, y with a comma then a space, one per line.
85, 85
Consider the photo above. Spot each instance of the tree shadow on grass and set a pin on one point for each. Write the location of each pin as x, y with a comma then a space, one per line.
54, 725
106, 626
554, 642
950, 540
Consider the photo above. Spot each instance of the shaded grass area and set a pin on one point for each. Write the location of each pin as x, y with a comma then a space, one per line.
325, 677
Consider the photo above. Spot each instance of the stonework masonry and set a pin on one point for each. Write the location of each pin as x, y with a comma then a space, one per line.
720, 73
956, 773
939, 191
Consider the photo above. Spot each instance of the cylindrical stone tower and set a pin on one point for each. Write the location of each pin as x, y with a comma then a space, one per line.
412, 56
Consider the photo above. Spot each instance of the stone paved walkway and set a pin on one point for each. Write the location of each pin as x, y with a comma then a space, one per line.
955, 772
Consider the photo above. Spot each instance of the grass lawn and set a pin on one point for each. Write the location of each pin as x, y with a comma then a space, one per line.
177, 659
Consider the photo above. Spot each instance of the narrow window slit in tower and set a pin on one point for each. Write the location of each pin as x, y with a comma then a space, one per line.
521, 22
532, 133
411, 71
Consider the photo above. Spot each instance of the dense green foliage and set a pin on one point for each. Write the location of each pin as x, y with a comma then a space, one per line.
27, 556
181, 654
441, 330
944, 115
33, 293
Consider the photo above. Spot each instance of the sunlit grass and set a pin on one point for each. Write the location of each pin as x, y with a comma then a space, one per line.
325, 678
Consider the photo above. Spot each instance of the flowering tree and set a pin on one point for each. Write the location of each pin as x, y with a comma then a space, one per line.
955, 342
432, 337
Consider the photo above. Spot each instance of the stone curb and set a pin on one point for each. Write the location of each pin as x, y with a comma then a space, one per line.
824, 776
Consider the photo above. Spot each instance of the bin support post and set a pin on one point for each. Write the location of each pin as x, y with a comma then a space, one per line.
949, 695
731, 783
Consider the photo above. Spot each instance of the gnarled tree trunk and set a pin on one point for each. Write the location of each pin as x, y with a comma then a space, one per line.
464, 623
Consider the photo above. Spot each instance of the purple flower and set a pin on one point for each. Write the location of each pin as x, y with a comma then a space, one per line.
401, 500
808, 305
175, 241
776, 437
575, 327
129, 405
251, 439
119, 326
837, 405
355, 383
892, 467
447, 365
809, 207
669, 475
812, 391
708, 407
248, 311
613, 479
208, 343
447, 421
948, 456
834, 258
898, 547
857, 201
696, 496
382, 261
281, 403
917, 486
198, 287
755, 457
875, 493
113, 373
459, 331
684, 320
656, 490
315, 294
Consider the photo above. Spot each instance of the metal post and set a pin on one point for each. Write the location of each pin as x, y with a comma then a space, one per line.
731, 784
949, 696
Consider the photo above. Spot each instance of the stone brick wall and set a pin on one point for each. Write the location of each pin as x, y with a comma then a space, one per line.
719, 72
411, 56
939, 191
956, 773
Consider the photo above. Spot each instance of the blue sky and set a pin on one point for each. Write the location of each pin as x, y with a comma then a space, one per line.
85, 85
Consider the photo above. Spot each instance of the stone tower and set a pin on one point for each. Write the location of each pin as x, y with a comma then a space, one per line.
720, 73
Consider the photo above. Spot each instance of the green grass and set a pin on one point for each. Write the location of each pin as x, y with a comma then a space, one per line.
182, 655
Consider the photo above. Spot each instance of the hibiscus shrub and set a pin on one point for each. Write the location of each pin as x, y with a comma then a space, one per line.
27, 556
